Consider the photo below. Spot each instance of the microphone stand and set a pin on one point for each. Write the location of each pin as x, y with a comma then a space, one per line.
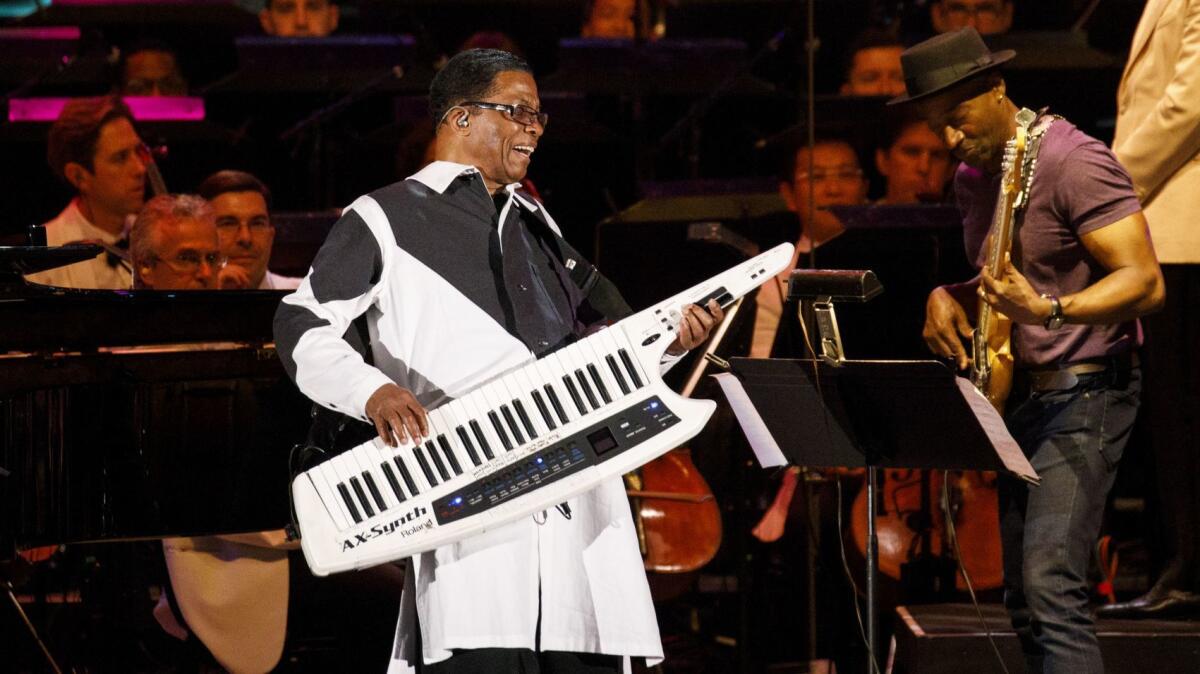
59, 66
20, 610
697, 111
33, 633
321, 115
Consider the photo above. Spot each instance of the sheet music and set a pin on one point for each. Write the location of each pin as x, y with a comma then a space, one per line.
993, 425
766, 450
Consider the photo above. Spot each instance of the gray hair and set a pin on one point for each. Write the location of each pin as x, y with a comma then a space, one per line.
164, 208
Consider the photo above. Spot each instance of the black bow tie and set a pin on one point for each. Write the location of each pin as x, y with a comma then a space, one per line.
116, 253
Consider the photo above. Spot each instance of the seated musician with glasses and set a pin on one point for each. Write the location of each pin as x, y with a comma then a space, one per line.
241, 206
230, 591
173, 244
810, 180
462, 277
989, 17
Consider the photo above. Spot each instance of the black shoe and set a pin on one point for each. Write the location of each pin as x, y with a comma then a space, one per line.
1157, 603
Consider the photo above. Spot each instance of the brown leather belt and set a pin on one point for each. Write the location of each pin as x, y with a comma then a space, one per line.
1066, 376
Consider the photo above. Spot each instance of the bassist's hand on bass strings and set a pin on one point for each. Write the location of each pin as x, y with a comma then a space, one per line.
946, 327
1011, 295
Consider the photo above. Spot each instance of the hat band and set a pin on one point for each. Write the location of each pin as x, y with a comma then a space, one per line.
939, 77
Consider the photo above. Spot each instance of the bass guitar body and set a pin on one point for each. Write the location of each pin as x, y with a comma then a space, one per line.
995, 350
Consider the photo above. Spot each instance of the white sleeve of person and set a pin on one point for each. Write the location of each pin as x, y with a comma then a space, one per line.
345, 280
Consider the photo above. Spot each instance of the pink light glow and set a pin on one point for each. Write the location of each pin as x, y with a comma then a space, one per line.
145, 108
40, 33
101, 3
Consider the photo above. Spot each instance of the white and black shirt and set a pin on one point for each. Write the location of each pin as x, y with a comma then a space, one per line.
457, 289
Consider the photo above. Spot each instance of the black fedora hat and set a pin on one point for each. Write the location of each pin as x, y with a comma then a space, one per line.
945, 60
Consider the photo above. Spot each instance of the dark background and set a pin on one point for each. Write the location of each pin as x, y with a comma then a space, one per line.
599, 147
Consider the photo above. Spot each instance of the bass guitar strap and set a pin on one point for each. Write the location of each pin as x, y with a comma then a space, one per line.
1037, 130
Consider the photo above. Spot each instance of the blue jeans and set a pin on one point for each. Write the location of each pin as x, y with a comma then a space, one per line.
1074, 439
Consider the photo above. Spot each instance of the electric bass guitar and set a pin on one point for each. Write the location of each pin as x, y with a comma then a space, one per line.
991, 344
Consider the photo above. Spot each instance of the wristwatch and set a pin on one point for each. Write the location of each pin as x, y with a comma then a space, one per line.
1055, 320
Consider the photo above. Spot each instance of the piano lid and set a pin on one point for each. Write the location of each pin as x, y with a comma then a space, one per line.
20, 260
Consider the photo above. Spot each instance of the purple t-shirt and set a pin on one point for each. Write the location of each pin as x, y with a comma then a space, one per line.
1078, 187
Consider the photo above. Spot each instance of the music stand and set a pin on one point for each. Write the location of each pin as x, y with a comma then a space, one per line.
876, 414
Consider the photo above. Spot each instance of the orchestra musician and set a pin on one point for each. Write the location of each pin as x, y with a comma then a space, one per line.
989, 17
873, 65
812, 179
93, 146
609, 19
241, 207
1082, 271
461, 276
913, 161
172, 244
299, 18
150, 68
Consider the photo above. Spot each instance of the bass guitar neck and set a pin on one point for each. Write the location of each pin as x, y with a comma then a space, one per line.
992, 360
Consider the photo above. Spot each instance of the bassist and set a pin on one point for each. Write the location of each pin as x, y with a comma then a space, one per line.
1080, 272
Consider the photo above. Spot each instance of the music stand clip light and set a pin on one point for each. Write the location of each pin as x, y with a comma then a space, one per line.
821, 288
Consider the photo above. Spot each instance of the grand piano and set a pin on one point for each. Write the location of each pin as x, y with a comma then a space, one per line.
138, 414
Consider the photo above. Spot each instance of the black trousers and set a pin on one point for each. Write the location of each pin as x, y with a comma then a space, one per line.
518, 661
522, 661
1171, 403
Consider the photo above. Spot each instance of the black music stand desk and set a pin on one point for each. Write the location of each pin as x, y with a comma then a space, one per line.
872, 414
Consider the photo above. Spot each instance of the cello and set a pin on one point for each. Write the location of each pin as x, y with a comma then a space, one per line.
908, 525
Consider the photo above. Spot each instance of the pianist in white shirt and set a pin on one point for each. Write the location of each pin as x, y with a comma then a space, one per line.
230, 591
458, 287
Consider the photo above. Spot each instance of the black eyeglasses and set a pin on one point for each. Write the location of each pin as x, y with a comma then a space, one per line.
521, 114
